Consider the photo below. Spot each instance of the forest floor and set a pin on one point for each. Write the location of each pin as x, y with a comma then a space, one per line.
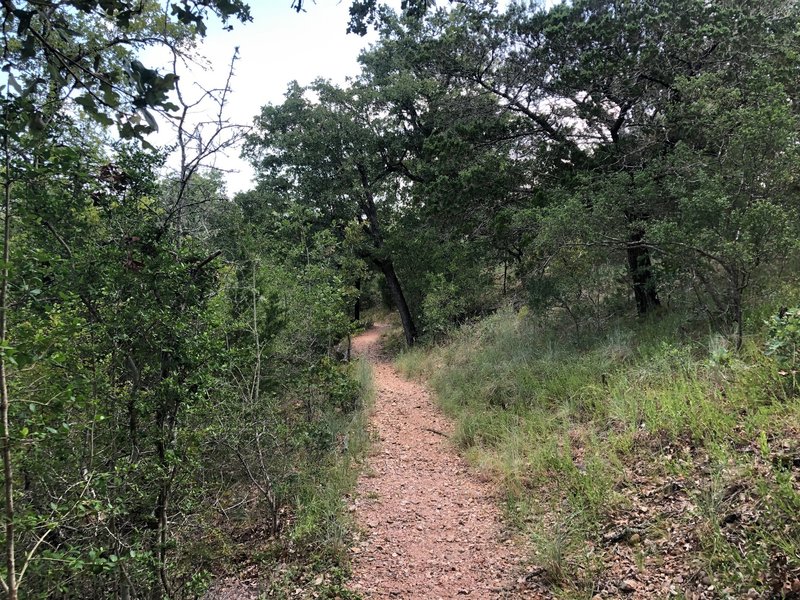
430, 527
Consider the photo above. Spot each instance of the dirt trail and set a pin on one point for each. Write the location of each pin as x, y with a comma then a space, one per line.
432, 528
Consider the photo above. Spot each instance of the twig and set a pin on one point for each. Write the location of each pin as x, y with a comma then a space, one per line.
436, 431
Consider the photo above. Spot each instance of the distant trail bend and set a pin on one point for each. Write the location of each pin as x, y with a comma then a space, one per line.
432, 529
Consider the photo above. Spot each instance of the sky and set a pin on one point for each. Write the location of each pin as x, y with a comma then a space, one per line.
279, 46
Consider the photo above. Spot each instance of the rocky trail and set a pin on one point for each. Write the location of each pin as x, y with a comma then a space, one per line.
430, 526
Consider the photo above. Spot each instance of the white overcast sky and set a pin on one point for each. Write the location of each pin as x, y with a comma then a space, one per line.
277, 47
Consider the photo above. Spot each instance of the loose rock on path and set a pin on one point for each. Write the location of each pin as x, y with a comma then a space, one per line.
432, 529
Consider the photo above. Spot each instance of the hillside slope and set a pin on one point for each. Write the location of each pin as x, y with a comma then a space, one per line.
645, 461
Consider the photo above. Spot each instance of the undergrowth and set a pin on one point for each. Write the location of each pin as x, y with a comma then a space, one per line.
653, 451
309, 558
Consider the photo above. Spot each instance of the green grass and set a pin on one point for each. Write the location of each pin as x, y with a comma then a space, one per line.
579, 430
309, 558
323, 523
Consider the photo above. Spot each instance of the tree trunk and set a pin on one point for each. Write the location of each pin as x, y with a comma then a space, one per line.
640, 267
399, 299
505, 275
10, 582
357, 307
739, 319
386, 266
738, 284
163, 537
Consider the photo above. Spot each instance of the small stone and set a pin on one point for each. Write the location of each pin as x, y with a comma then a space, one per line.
628, 586
635, 538
706, 580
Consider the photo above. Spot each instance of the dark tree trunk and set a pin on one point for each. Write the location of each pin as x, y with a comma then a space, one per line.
357, 307
373, 229
738, 318
738, 285
399, 299
640, 267
505, 276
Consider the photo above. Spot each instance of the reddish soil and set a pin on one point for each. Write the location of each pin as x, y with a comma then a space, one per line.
431, 526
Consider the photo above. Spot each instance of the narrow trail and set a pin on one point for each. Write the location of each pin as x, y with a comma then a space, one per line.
432, 528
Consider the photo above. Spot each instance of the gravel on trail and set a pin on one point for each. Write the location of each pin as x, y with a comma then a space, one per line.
430, 526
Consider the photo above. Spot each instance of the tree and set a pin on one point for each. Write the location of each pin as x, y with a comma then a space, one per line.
596, 85
90, 46
729, 204
461, 170
60, 55
340, 161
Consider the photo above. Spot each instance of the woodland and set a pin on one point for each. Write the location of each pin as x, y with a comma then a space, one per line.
584, 218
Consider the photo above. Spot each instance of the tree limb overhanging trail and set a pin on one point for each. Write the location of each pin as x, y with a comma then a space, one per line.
431, 527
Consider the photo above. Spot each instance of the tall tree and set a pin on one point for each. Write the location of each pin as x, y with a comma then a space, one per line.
338, 157
462, 169
63, 59
596, 84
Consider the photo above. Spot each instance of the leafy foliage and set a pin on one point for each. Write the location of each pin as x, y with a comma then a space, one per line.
155, 348
172, 359
52, 49
783, 342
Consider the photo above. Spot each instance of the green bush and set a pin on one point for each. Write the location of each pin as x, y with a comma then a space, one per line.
783, 343
442, 307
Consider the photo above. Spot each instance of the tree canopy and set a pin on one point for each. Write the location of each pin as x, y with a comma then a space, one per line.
173, 361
